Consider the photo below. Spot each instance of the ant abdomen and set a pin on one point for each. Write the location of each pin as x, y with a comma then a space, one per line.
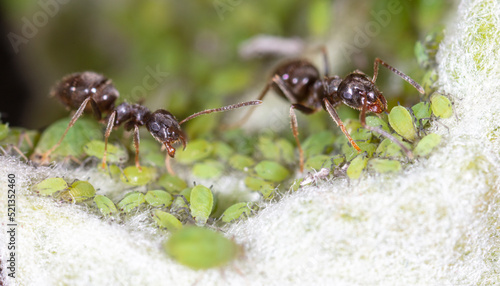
75, 88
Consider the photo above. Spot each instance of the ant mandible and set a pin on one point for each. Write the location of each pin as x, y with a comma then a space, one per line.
300, 83
162, 125
77, 90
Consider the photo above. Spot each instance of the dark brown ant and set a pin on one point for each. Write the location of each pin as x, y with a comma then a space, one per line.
162, 125
299, 82
76, 91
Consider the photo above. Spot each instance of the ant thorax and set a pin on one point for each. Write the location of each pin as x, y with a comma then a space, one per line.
131, 114
75, 88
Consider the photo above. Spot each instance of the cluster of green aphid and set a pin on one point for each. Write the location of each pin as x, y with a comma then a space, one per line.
191, 245
267, 161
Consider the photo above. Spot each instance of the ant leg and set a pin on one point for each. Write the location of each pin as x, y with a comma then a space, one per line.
109, 128
247, 115
362, 119
75, 117
222, 109
295, 129
168, 165
333, 114
399, 73
136, 145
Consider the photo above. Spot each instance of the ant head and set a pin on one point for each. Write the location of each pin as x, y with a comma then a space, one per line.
356, 88
165, 128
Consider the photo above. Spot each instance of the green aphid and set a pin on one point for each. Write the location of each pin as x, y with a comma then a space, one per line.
422, 112
427, 144
277, 150
318, 143
208, 169
4, 131
296, 184
317, 162
428, 81
286, 151
239, 141
181, 201
271, 171
267, 148
441, 106
112, 170
150, 153
384, 165
361, 135
201, 204
376, 121
200, 248
172, 184
236, 211
350, 153
222, 151
197, 150
401, 121
158, 198
50, 186
116, 154
84, 131
241, 162
105, 205
23, 139
78, 192
357, 166
166, 220
257, 184
131, 201
389, 149
134, 177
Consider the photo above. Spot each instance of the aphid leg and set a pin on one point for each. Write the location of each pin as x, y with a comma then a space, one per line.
136, 145
222, 109
109, 128
249, 112
362, 119
75, 117
336, 118
394, 70
168, 165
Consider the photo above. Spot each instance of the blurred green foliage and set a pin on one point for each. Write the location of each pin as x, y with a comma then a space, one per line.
196, 43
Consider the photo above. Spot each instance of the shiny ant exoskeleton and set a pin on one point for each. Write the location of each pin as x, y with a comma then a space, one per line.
77, 90
299, 82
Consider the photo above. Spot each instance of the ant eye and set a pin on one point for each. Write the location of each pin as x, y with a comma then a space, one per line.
154, 126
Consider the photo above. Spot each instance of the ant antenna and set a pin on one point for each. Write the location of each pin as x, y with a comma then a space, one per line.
222, 109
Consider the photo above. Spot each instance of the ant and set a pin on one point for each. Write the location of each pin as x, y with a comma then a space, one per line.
299, 82
77, 90
162, 125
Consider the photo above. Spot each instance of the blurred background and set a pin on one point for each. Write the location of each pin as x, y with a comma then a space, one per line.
186, 56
